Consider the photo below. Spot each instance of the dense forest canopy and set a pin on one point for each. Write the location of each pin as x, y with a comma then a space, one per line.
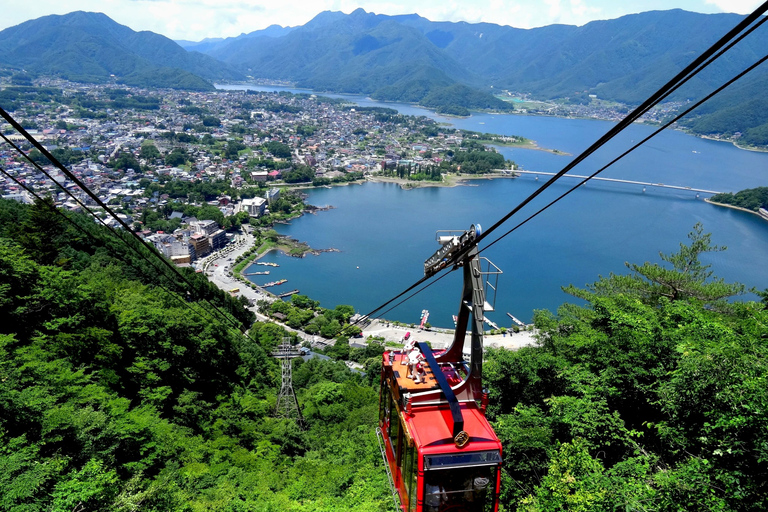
122, 391
651, 397
751, 198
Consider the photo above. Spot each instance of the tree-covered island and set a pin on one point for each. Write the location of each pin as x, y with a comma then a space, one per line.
753, 200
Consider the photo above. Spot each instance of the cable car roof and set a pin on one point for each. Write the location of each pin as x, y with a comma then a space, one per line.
430, 430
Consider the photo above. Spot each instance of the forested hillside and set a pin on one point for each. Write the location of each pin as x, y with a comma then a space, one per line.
652, 397
91, 47
119, 393
451, 67
410, 58
751, 198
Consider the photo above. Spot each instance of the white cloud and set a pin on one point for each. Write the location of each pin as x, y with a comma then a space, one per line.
738, 6
198, 19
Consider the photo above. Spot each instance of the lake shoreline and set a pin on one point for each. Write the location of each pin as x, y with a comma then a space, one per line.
383, 229
451, 181
734, 207
732, 141
493, 112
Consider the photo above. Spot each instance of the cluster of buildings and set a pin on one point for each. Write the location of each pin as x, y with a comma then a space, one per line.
195, 240
595, 108
328, 137
323, 135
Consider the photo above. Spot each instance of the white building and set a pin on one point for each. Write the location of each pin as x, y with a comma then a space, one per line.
259, 175
206, 227
255, 206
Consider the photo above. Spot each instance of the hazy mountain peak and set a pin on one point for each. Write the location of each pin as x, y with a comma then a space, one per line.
325, 18
90, 46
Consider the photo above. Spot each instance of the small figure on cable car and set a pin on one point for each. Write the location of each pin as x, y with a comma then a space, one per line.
415, 360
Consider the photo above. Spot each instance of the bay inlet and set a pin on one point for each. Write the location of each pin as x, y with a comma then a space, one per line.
385, 233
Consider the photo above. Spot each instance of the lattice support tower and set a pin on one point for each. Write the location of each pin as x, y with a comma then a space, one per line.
287, 403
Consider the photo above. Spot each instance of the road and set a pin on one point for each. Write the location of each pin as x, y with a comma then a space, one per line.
218, 267
441, 338
615, 180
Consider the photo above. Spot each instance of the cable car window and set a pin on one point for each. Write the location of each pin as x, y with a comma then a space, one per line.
467, 489
394, 427
384, 402
409, 475
452, 460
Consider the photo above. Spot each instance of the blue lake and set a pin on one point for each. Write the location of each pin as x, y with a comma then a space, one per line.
385, 233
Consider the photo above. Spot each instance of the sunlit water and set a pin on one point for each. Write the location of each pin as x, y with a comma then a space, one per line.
385, 233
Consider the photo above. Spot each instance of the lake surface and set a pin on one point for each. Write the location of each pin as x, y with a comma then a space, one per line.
385, 233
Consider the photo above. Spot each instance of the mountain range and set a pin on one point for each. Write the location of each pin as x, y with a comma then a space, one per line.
448, 66
91, 47
622, 59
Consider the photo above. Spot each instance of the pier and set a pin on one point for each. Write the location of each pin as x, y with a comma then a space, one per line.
630, 182
288, 294
518, 322
265, 273
274, 283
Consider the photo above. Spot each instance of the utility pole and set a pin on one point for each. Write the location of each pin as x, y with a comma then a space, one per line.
287, 403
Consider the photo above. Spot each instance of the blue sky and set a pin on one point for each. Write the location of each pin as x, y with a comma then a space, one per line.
197, 19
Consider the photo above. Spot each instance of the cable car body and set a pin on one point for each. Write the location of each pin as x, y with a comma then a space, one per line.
440, 452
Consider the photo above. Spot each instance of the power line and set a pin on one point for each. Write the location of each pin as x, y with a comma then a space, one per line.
105, 245
128, 230
646, 139
98, 201
714, 52
698, 64
411, 295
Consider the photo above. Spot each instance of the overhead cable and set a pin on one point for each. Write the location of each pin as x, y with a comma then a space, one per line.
90, 235
698, 64
85, 189
646, 139
741, 30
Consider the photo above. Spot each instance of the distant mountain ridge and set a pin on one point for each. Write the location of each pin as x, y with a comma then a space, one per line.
451, 67
209, 44
409, 58
88, 46
621, 59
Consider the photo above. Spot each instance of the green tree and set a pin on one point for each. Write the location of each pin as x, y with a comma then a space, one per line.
176, 157
573, 482
278, 149
687, 278
231, 151
304, 302
300, 174
211, 121
42, 231
149, 151
331, 329
92, 487
126, 161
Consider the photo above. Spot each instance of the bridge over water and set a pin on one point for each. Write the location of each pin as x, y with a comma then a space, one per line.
660, 185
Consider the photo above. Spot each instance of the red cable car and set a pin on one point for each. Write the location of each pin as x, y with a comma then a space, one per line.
441, 453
